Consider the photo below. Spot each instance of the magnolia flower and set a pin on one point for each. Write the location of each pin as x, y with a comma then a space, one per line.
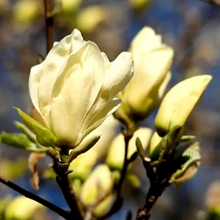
73, 90
179, 102
152, 62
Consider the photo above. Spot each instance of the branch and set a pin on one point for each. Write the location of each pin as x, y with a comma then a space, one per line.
64, 183
51, 206
158, 183
49, 21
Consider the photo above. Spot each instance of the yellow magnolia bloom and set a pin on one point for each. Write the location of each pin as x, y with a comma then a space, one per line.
179, 103
73, 89
98, 184
115, 157
152, 62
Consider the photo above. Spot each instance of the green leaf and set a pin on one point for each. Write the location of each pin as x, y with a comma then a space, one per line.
187, 138
82, 148
44, 135
24, 129
19, 141
190, 157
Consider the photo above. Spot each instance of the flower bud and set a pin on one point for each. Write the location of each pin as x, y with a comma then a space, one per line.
152, 62
98, 184
69, 6
22, 208
108, 130
83, 164
154, 145
90, 17
26, 11
115, 157
179, 103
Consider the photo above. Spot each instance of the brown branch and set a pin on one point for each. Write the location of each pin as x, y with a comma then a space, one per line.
159, 180
65, 185
51, 206
49, 22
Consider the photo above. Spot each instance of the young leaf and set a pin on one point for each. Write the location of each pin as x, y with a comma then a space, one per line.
44, 136
19, 141
192, 158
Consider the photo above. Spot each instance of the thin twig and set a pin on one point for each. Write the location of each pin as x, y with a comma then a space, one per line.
51, 206
49, 21
158, 183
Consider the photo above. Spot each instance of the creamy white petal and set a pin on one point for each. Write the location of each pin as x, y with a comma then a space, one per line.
118, 75
145, 41
99, 113
52, 65
106, 60
33, 84
149, 74
76, 91
77, 41
164, 84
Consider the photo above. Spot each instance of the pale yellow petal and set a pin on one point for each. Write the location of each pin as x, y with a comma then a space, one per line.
75, 92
